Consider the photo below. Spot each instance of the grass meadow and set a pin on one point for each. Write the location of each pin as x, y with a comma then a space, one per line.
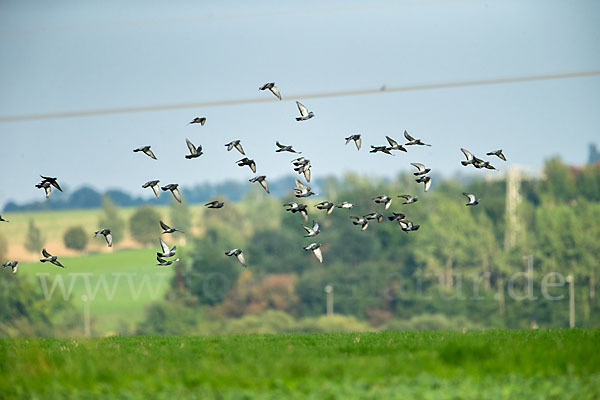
494, 364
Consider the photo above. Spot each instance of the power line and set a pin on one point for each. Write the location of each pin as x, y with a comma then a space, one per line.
314, 95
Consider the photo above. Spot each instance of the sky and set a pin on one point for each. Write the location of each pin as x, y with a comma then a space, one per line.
83, 55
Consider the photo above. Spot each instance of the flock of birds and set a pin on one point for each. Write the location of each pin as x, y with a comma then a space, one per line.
167, 256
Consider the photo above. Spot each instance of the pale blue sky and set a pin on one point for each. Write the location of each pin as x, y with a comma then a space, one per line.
64, 56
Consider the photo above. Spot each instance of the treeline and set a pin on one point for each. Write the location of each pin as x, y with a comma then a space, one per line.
456, 267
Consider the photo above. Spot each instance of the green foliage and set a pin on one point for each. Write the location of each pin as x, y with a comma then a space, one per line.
112, 220
75, 238
3, 249
555, 364
181, 215
144, 226
34, 240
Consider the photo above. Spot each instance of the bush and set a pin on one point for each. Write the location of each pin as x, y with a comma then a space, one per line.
144, 226
75, 238
34, 240
3, 249
112, 219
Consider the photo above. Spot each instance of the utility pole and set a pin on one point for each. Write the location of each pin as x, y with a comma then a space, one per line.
329, 291
86, 316
571, 281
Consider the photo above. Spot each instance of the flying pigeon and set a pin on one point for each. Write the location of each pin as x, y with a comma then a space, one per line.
316, 250
285, 148
470, 157
47, 187
304, 113
146, 150
357, 140
50, 258
374, 215
302, 190
302, 166
236, 144
497, 153
326, 205
408, 199
173, 187
107, 235
215, 204
14, 265
154, 186
271, 86
383, 149
3, 220
248, 162
295, 207
165, 250
394, 145
167, 229
407, 226
383, 200
473, 201
424, 179
396, 216
311, 232
482, 164
52, 181
162, 262
413, 141
198, 120
239, 255
361, 221
194, 151
262, 179
421, 169
345, 204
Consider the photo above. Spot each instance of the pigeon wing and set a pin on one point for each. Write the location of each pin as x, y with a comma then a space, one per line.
469, 196
109, 240
252, 166
149, 153
156, 190
419, 166
45, 253
358, 143
275, 91
239, 148
307, 175
241, 259
303, 110
280, 145
427, 184
467, 154
408, 137
164, 226
190, 146
176, 194
164, 246
47, 189
263, 183
391, 141
318, 254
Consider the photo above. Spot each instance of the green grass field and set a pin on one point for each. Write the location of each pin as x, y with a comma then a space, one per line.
118, 285
496, 364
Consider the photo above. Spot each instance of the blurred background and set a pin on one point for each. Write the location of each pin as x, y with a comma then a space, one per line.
84, 83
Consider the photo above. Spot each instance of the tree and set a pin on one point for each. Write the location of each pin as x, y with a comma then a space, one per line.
75, 238
143, 225
112, 220
181, 216
34, 240
3, 249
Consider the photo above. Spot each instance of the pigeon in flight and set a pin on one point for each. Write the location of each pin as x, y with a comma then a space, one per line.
497, 153
357, 140
52, 181
470, 157
215, 204
361, 221
473, 201
236, 144
194, 151
146, 150
395, 145
246, 161
296, 207
271, 86
165, 250
262, 179
413, 141
46, 186
302, 166
51, 259
304, 113
345, 204
387, 200
426, 180
3, 220
162, 262
396, 216
285, 148
302, 190
382, 149
311, 232
374, 215
14, 265
316, 250
407, 226
238, 254
167, 229
174, 188
107, 235
421, 169
408, 199
326, 205
482, 164
198, 120
154, 186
